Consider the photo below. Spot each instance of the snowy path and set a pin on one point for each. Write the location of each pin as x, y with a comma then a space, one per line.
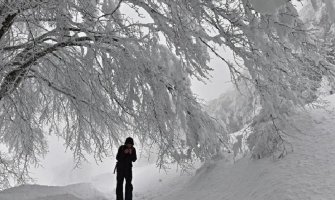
308, 173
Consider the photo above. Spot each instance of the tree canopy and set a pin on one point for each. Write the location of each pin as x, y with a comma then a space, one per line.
90, 73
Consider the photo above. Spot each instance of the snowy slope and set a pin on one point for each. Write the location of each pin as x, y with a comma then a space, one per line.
306, 173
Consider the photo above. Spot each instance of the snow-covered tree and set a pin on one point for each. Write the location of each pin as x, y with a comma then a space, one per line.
319, 16
235, 108
285, 65
86, 71
90, 73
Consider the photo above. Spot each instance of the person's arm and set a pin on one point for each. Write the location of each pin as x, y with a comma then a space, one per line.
119, 154
133, 155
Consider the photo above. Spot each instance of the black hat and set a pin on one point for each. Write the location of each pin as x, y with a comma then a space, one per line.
129, 140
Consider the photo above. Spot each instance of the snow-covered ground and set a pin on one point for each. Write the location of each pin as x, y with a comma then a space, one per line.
38, 192
307, 173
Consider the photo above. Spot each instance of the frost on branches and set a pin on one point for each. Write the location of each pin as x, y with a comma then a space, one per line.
86, 71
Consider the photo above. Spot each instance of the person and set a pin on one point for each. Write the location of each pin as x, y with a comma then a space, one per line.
125, 156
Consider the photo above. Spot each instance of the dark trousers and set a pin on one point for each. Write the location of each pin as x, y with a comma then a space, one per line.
121, 175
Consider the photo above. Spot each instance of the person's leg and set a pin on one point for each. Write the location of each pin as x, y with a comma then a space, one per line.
119, 185
129, 186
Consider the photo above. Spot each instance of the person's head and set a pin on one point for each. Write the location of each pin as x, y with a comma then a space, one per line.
129, 142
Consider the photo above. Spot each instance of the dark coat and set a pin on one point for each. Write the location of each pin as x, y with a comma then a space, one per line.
124, 161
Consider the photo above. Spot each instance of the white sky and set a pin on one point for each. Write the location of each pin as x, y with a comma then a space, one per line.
216, 85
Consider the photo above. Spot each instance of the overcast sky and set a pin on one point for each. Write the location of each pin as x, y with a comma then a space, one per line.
216, 85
